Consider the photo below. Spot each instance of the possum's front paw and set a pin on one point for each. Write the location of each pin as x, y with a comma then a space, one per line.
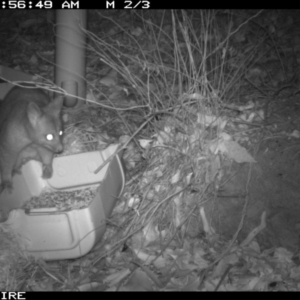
47, 171
16, 171
6, 185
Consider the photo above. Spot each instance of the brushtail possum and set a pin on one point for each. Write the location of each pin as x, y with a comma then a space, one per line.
30, 128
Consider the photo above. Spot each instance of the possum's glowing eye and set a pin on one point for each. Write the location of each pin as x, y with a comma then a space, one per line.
49, 137
61, 132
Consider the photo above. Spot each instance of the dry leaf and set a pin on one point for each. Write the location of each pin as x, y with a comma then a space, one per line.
238, 153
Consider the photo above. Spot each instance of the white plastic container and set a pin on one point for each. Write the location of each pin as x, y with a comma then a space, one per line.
51, 234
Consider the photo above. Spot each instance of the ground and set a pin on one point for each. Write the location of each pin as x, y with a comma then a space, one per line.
274, 183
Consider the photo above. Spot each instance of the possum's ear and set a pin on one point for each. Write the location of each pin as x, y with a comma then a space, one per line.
33, 113
56, 103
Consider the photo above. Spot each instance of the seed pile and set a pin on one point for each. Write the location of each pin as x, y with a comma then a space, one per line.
62, 200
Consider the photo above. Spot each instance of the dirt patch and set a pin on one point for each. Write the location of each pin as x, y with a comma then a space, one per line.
274, 184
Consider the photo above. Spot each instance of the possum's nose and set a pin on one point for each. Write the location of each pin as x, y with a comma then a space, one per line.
59, 148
